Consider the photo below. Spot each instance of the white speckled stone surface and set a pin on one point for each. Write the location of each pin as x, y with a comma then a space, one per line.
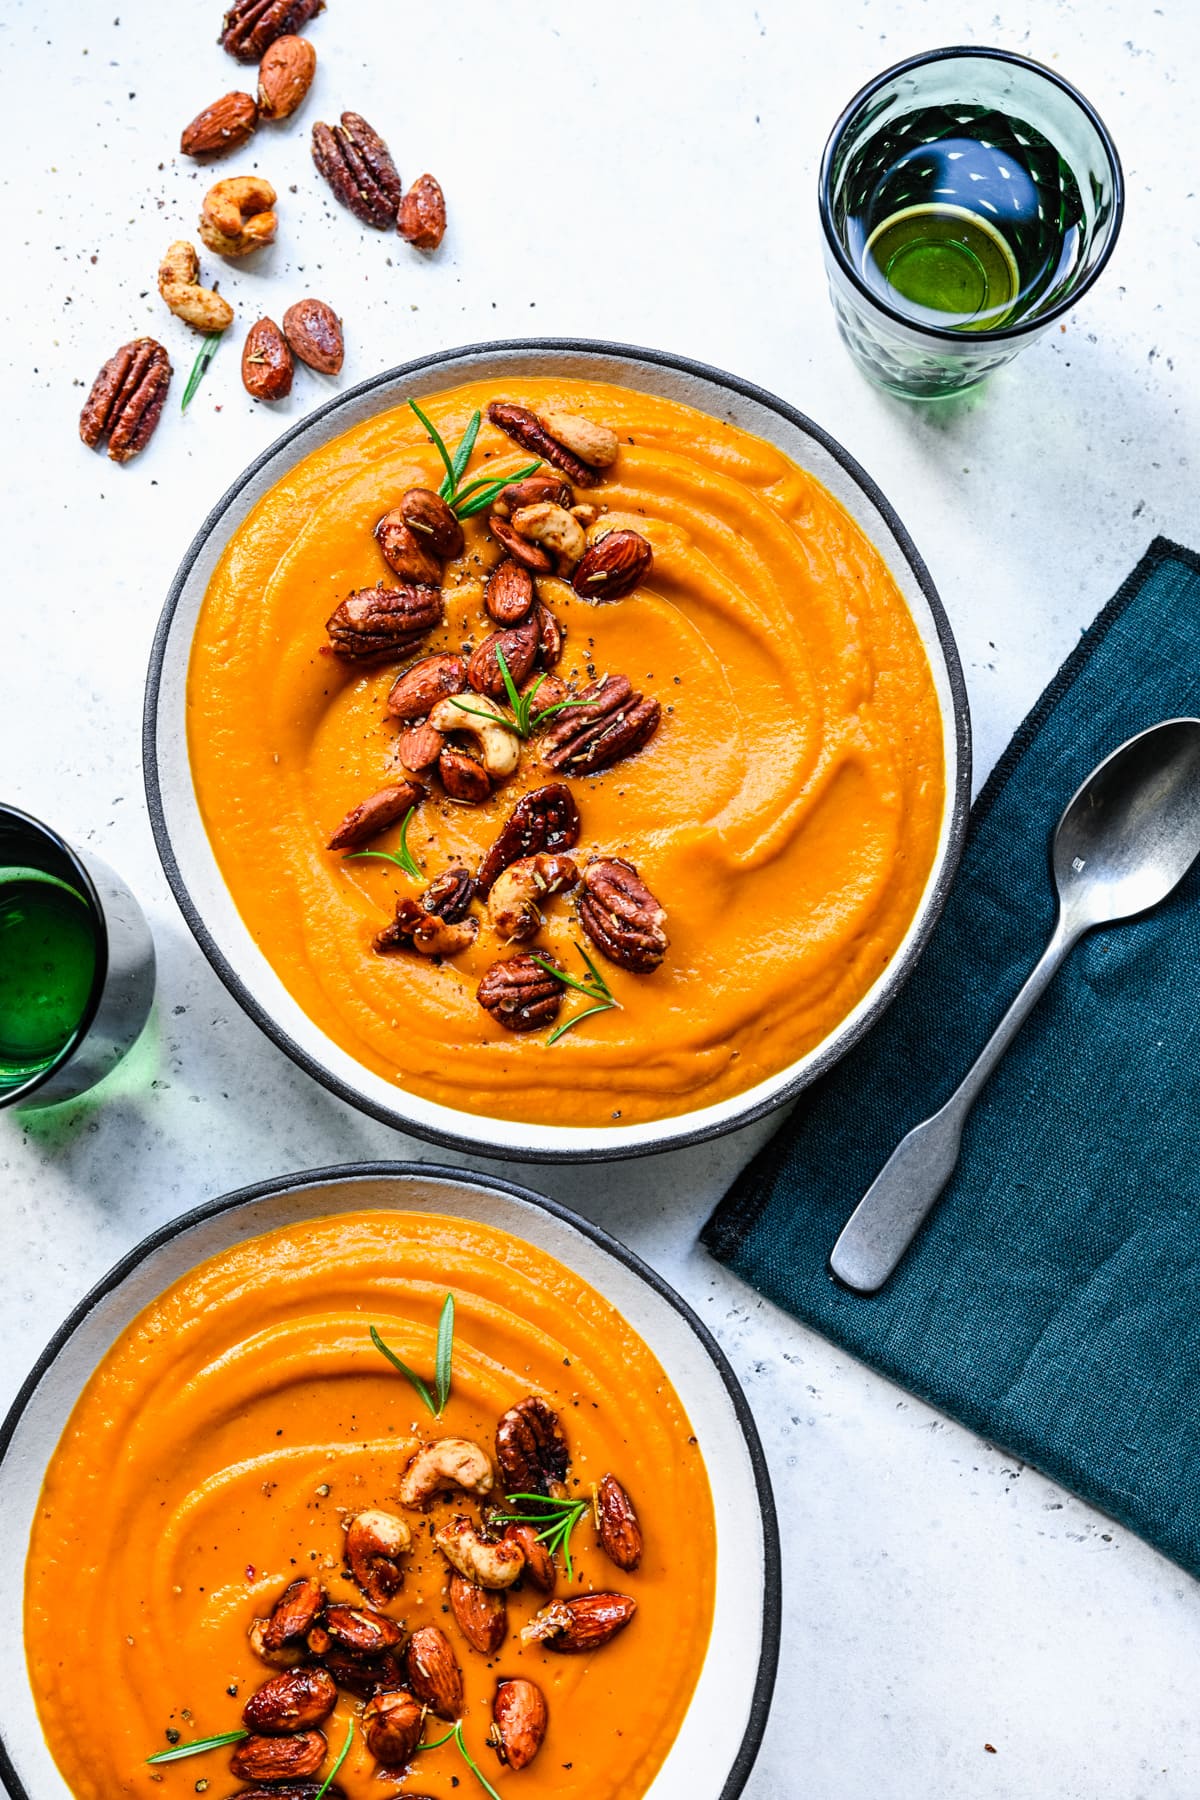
643, 173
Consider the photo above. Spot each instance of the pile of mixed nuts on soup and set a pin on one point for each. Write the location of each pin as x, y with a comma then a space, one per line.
522, 1512
467, 722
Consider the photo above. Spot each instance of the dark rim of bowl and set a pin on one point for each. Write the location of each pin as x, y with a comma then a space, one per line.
768, 1662
15, 1095
943, 334
463, 1140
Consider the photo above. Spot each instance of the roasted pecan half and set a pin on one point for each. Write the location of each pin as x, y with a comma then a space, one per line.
392, 1725
314, 333
539, 1569
294, 1613
519, 647
520, 994
433, 1672
358, 166
585, 1623
526, 429
531, 556
450, 895
373, 815
621, 915
294, 1701
617, 1525
251, 25
531, 1449
610, 722
443, 1466
488, 1563
417, 691
416, 928
514, 907
267, 366
421, 220
530, 490
613, 567
285, 75
376, 622
297, 1790
508, 596
546, 818
127, 399
434, 522
464, 779
375, 1543
278, 1758
412, 558
520, 1717
223, 126
481, 1614
360, 1631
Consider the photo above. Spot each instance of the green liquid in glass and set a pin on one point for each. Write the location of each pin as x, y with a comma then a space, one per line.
945, 262
47, 965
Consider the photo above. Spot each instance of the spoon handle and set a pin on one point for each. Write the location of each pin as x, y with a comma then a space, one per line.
903, 1194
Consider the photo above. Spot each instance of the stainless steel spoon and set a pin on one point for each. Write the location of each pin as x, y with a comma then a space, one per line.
1126, 840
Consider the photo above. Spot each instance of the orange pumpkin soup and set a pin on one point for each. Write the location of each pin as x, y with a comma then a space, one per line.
245, 1418
785, 814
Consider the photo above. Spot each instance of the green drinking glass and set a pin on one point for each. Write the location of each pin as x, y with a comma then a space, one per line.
76, 966
968, 197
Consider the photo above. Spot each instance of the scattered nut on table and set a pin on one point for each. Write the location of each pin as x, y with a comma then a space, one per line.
251, 26
314, 332
221, 127
285, 76
267, 366
421, 220
238, 216
179, 284
126, 399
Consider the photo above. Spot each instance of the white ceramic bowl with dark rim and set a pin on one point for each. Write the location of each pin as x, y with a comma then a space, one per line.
187, 855
722, 1729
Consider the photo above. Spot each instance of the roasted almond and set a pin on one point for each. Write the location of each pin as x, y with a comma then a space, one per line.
613, 567
617, 1525
392, 1725
433, 1672
267, 366
223, 126
434, 522
373, 815
361, 1632
278, 1758
421, 219
285, 75
539, 1564
463, 778
419, 747
314, 333
294, 1613
522, 550
291, 1702
518, 646
508, 595
585, 1623
481, 1614
520, 1718
407, 555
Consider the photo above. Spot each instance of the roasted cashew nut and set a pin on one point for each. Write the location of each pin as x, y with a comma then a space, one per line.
554, 528
442, 1465
237, 215
488, 1565
515, 902
284, 1658
499, 749
596, 444
375, 1542
178, 283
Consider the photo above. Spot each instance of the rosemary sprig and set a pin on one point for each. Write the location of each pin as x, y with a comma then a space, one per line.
197, 1745
208, 350
555, 1520
594, 988
403, 860
524, 721
465, 502
455, 1735
436, 1401
342, 1754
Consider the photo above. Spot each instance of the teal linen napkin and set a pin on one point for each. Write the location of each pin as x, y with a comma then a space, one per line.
1052, 1302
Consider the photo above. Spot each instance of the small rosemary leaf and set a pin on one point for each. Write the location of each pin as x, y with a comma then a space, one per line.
398, 1363
477, 712
462, 455
445, 1348
568, 1024
341, 1757
595, 973
208, 350
510, 686
571, 980
497, 481
476, 1771
197, 1745
438, 440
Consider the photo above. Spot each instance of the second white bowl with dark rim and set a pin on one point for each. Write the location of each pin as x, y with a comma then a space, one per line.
200, 888
719, 1738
